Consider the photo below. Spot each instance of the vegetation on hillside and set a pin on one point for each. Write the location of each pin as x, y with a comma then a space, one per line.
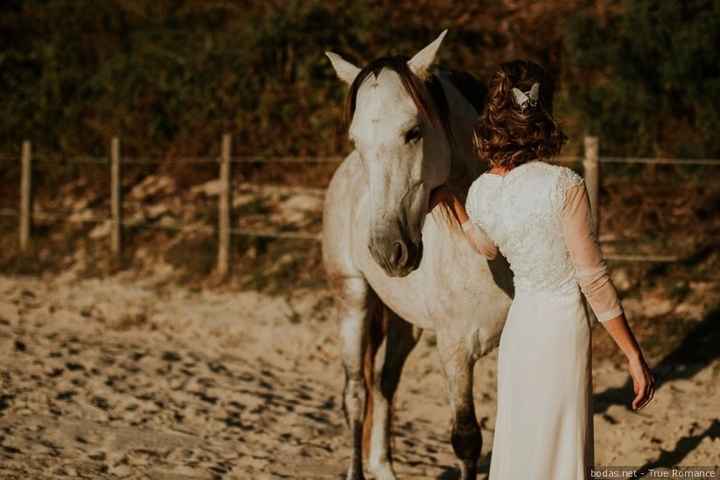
170, 76
653, 77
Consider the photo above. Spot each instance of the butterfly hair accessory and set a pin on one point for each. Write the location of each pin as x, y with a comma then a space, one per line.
527, 99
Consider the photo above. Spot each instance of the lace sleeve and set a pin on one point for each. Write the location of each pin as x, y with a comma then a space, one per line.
474, 229
590, 269
567, 179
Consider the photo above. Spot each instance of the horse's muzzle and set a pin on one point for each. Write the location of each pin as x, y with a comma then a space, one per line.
397, 257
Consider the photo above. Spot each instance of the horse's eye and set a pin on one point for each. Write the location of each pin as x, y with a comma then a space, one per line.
413, 135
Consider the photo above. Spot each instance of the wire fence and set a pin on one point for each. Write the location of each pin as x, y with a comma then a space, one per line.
333, 159
105, 160
26, 215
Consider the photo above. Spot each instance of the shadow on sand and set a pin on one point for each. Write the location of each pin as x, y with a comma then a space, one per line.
697, 350
685, 445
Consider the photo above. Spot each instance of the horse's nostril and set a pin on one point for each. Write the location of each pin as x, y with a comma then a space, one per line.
399, 254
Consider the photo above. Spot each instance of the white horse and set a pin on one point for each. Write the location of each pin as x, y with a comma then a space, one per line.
397, 268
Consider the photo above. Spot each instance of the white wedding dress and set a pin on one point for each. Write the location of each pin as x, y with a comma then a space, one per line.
538, 216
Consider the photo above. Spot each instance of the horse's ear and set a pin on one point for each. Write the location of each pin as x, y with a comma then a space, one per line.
344, 69
421, 62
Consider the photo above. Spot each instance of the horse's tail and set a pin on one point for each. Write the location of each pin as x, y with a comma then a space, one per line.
377, 331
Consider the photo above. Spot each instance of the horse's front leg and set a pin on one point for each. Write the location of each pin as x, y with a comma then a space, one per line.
466, 435
402, 337
356, 305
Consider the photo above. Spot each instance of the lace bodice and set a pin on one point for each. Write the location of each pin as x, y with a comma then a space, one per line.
538, 216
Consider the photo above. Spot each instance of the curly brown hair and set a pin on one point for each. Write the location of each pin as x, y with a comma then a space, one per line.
507, 135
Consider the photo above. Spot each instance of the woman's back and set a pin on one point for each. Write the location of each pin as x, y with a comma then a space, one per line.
522, 212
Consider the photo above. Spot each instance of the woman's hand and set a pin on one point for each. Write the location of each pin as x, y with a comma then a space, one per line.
643, 381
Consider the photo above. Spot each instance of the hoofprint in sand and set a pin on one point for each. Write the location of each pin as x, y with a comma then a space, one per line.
126, 378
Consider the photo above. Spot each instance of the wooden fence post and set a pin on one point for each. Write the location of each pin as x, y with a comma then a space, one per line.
115, 198
591, 166
26, 196
223, 260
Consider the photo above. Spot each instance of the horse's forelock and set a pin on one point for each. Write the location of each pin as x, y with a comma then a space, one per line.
437, 114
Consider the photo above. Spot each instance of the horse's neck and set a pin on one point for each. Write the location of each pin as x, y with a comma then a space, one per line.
464, 166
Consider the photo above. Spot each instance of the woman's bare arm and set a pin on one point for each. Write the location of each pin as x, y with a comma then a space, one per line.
623, 336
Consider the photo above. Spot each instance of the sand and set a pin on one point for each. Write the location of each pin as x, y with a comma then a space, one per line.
125, 378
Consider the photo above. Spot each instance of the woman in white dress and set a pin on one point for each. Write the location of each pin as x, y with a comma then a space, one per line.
538, 216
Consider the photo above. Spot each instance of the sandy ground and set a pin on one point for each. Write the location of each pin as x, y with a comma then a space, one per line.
120, 378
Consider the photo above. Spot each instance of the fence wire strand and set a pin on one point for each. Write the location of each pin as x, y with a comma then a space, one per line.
292, 235
276, 234
268, 159
103, 160
662, 161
